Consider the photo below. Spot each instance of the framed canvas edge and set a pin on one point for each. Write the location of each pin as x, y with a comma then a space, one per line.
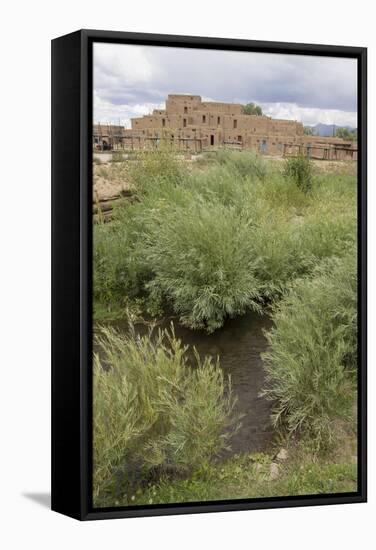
86, 510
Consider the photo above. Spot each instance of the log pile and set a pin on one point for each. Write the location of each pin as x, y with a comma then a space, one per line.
103, 206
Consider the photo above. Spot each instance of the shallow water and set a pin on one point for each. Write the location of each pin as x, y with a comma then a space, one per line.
238, 345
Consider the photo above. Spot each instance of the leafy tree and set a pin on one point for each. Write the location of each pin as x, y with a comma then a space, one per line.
347, 134
252, 109
309, 131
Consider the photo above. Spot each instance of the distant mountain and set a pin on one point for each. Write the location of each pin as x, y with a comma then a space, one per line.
327, 130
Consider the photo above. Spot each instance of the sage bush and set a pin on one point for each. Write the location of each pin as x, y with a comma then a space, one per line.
215, 240
312, 361
153, 413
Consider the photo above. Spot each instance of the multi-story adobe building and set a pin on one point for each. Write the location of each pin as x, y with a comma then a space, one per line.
190, 124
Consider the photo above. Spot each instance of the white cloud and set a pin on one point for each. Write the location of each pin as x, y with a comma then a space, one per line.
113, 64
310, 116
106, 112
131, 80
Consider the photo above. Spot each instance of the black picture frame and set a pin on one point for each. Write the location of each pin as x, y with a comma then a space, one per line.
72, 267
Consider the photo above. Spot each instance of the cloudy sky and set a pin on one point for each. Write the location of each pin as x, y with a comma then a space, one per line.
131, 81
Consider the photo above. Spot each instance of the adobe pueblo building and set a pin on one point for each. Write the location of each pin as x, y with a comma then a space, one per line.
189, 124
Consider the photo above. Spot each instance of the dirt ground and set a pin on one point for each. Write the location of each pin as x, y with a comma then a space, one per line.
110, 180
327, 166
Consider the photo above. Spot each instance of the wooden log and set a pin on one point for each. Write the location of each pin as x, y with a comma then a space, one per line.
102, 208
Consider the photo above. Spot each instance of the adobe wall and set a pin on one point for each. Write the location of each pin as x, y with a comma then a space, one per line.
188, 123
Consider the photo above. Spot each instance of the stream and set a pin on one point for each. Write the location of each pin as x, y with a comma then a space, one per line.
238, 344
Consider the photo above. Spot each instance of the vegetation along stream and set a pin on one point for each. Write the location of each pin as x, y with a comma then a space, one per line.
253, 392
238, 346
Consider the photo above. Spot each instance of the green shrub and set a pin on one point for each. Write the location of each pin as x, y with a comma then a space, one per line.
325, 234
299, 170
278, 255
202, 264
212, 244
152, 168
282, 195
153, 412
218, 185
190, 242
312, 359
117, 272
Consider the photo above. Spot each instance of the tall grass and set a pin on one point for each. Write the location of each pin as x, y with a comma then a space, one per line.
311, 365
150, 168
153, 412
243, 164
